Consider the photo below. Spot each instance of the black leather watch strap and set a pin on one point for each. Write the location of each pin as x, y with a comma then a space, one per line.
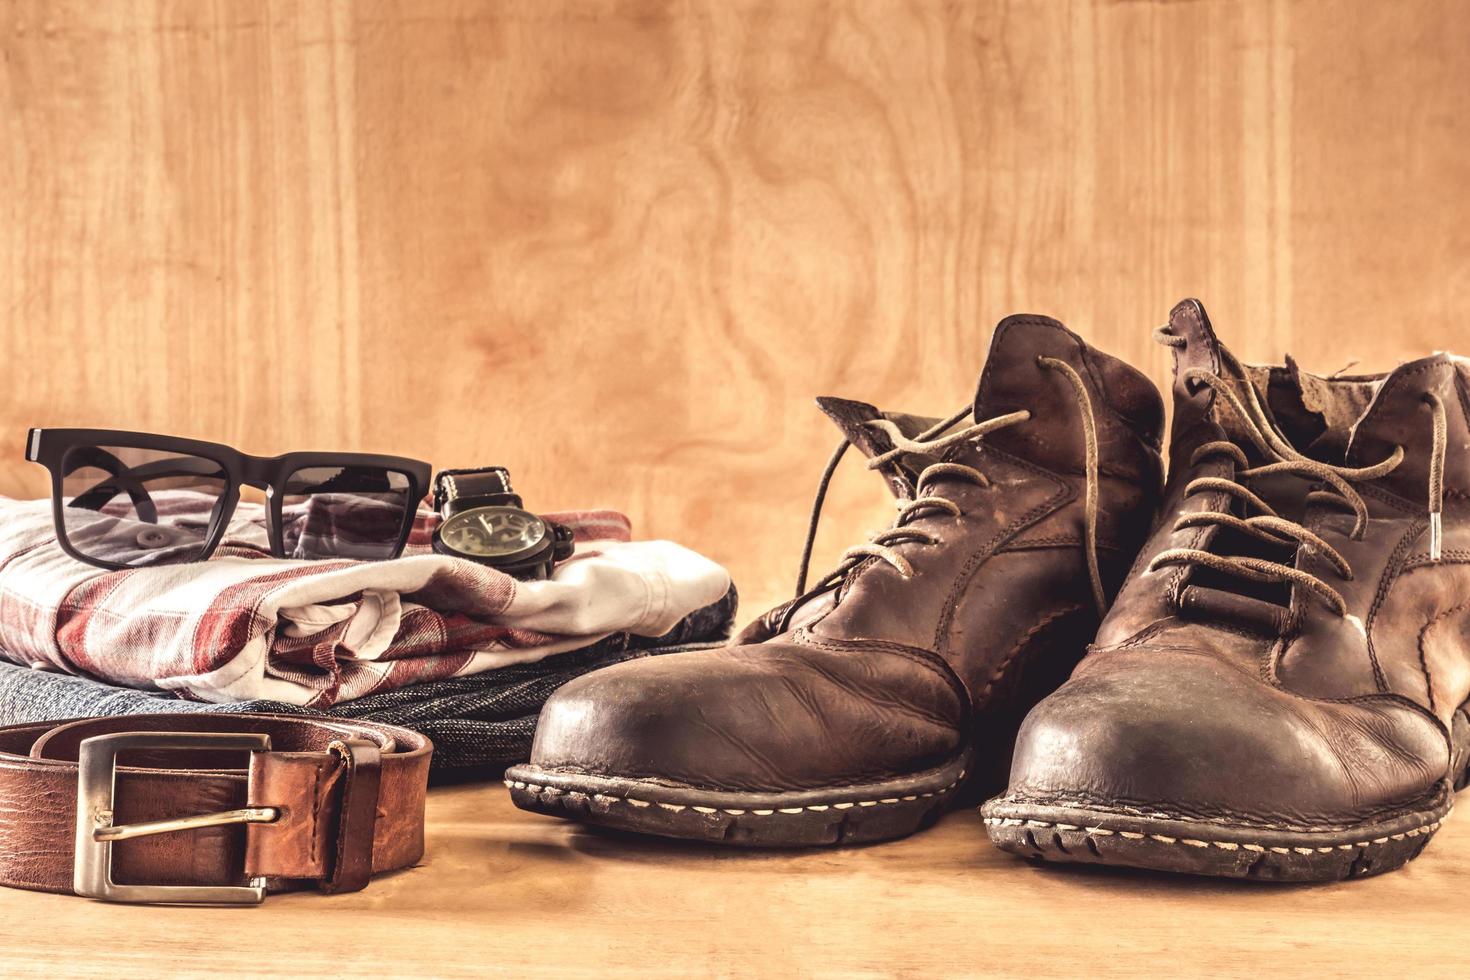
484, 485
459, 491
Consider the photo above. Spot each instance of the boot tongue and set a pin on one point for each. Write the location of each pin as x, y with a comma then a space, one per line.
1033, 364
1331, 406
1313, 414
1009, 382
1400, 416
850, 417
1237, 429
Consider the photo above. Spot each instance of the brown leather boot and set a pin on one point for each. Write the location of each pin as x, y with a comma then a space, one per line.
1280, 690
857, 710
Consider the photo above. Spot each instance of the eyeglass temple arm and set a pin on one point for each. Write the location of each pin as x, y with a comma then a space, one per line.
130, 479
123, 479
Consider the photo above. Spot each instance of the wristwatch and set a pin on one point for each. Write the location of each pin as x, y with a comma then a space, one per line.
483, 520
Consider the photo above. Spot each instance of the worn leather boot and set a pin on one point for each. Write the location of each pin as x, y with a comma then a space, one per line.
1280, 690
857, 710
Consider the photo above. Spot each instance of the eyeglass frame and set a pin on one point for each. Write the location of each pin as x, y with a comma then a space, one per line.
49, 447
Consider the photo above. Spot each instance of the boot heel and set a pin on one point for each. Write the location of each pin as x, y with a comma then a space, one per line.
1460, 742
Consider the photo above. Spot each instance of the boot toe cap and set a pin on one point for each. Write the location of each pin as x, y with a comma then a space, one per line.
1189, 735
772, 717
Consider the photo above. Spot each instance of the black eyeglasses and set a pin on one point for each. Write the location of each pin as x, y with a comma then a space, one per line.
130, 499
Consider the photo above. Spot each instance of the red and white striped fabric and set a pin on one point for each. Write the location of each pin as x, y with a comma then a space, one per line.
244, 625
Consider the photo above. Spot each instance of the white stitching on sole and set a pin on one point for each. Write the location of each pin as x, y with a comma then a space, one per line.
608, 799
1223, 845
1123, 810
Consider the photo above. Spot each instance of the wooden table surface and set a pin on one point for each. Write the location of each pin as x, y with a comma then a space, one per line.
501, 890
618, 245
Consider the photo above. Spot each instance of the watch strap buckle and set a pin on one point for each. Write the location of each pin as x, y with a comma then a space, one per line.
566, 541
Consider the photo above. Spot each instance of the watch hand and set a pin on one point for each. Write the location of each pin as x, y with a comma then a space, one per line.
485, 521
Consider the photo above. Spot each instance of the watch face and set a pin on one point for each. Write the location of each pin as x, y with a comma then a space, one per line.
493, 532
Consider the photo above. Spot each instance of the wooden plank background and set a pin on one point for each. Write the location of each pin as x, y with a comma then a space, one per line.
618, 246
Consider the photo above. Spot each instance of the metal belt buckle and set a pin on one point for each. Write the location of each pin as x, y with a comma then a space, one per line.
96, 773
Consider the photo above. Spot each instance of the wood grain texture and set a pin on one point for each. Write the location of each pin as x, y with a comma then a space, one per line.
618, 246
504, 892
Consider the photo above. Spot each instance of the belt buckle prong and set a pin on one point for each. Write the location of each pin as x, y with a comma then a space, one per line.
96, 832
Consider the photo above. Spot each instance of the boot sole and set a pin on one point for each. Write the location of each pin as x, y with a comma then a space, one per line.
807, 818
1160, 842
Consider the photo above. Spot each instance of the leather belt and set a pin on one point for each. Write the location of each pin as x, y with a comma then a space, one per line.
208, 808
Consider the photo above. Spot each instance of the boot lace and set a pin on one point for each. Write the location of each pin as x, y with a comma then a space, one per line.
1268, 525
931, 442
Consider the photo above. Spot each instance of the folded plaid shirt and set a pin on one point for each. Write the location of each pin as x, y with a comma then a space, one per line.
244, 625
